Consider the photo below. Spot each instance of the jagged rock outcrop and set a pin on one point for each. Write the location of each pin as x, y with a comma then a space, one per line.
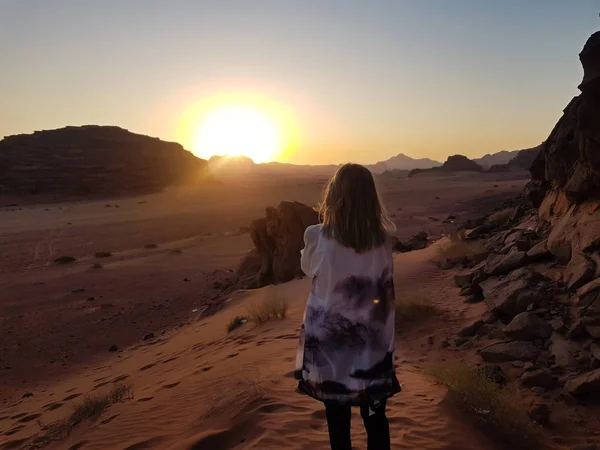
278, 238
93, 161
541, 280
455, 163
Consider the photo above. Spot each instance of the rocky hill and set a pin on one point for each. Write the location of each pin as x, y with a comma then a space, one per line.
521, 161
492, 159
93, 161
403, 162
538, 269
455, 163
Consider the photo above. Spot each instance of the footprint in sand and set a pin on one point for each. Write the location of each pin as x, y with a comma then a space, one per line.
120, 378
71, 390
29, 418
52, 406
104, 383
171, 386
18, 416
109, 420
78, 445
14, 430
170, 360
232, 355
145, 399
97, 380
70, 397
149, 366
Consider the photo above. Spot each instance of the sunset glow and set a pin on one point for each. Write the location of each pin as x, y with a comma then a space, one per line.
238, 125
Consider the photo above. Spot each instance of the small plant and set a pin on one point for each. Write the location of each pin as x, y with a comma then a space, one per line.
236, 322
103, 254
499, 409
410, 309
65, 260
274, 306
89, 408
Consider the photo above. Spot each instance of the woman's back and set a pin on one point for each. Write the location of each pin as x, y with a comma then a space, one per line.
349, 321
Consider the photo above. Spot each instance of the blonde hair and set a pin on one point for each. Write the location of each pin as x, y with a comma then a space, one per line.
352, 212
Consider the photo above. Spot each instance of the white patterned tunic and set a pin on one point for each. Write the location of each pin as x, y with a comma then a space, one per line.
346, 351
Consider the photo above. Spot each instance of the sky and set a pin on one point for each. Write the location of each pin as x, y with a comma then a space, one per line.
355, 80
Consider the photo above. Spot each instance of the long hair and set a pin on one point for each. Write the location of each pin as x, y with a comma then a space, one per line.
351, 210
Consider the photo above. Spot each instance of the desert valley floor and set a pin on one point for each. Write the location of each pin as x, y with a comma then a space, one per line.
158, 299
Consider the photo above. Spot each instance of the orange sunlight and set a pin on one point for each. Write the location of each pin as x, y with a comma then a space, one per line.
238, 125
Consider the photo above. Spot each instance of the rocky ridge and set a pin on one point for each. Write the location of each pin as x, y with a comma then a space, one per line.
541, 274
93, 160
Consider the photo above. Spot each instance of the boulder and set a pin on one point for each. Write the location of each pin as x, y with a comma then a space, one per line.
580, 271
527, 326
514, 293
539, 377
471, 330
418, 242
561, 349
510, 351
539, 251
589, 293
503, 264
540, 413
586, 383
278, 239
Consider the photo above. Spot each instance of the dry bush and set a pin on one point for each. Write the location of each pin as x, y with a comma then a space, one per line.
89, 408
236, 322
457, 250
499, 409
274, 306
500, 217
413, 308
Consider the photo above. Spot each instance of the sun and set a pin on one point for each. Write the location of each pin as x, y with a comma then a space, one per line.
237, 130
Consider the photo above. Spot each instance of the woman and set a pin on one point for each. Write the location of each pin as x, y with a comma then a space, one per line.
346, 352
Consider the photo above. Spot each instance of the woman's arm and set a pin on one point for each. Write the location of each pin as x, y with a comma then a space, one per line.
311, 237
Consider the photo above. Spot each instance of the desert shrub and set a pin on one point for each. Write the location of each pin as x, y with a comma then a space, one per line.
273, 306
236, 322
500, 217
65, 260
413, 308
103, 254
456, 250
88, 409
499, 409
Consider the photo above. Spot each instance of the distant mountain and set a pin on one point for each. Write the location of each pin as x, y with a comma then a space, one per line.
522, 160
95, 161
455, 163
403, 162
492, 159
224, 166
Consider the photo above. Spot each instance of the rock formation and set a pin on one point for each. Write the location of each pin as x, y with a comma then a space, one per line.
93, 161
541, 279
278, 238
455, 163
523, 160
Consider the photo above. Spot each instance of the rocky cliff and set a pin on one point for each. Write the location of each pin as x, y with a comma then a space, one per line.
540, 273
93, 161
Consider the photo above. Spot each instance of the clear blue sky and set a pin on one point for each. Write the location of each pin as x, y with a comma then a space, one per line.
364, 79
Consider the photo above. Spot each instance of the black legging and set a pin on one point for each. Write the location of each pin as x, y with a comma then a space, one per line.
374, 418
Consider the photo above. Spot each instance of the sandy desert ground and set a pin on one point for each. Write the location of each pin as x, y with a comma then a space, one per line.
196, 386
